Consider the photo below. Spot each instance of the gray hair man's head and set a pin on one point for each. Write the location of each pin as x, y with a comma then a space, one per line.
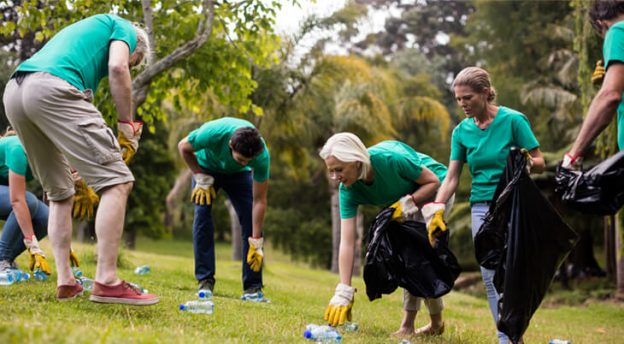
143, 46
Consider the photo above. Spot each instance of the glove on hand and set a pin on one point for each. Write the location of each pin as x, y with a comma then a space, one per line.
529, 160
404, 208
128, 135
570, 162
73, 259
598, 74
85, 200
339, 309
434, 218
204, 192
255, 255
37, 257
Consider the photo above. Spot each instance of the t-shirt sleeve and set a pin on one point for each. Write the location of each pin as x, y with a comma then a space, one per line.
206, 136
408, 166
348, 207
124, 31
261, 166
16, 160
523, 135
613, 48
458, 151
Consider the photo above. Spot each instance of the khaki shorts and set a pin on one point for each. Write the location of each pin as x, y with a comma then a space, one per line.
60, 127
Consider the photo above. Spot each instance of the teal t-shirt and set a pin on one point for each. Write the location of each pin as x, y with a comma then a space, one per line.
211, 143
13, 157
78, 53
396, 166
486, 150
613, 50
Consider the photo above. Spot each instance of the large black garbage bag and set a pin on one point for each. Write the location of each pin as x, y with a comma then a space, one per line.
525, 241
599, 190
399, 254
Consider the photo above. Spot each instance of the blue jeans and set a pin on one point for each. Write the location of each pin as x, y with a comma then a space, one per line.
239, 188
12, 240
478, 214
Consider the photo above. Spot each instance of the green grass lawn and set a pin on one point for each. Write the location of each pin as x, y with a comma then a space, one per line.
30, 313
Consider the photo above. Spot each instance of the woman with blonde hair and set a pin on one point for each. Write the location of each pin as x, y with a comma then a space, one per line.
388, 173
483, 141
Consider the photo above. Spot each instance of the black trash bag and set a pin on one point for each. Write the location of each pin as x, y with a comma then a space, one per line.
399, 255
598, 191
524, 240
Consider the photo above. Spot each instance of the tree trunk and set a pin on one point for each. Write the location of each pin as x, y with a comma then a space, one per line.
357, 259
335, 216
130, 238
609, 245
86, 232
182, 182
237, 243
619, 256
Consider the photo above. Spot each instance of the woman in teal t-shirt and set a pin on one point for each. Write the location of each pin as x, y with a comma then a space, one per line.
482, 140
390, 173
26, 216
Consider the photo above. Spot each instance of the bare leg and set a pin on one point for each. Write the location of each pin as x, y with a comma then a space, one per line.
433, 328
60, 234
407, 324
109, 222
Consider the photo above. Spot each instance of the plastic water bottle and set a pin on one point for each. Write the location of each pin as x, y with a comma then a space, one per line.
405, 341
86, 283
204, 294
143, 291
255, 297
322, 333
6, 278
201, 306
40, 275
351, 327
559, 341
76, 271
19, 275
142, 270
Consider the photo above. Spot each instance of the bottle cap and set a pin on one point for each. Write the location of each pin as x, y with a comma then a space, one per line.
182, 307
307, 334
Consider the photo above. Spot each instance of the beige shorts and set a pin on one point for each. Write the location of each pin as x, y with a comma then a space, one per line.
412, 303
60, 127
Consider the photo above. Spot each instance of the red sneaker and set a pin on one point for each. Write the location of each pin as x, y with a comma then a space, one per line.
68, 292
123, 293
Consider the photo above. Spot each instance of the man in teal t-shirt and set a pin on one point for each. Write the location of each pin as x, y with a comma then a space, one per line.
228, 154
48, 102
607, 18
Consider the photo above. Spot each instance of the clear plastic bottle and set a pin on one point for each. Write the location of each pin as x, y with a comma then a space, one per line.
40, 275
6, 278
19, 275
76, 271
322, 333
201, 306
351, 327
204, 294
142, 270
87, 283
559, 341
405, 341
143, 291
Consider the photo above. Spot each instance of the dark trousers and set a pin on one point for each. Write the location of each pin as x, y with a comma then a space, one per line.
239, 188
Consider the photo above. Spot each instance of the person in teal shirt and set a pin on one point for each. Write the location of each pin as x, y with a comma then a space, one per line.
389, 173
49, 103
229, 154
483, 141
26, 216
607, 18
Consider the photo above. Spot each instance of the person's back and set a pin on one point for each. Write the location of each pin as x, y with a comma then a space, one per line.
78, 54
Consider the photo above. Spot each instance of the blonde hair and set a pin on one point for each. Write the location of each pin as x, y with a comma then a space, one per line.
476, 78
347, 147
143, 44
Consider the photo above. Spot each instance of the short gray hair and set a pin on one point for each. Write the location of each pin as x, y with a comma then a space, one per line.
347, 147
143, 43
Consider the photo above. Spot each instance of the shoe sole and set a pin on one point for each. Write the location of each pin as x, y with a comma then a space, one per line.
70, 298
133, 302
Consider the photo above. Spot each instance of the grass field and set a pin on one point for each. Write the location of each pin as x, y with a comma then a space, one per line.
30, 313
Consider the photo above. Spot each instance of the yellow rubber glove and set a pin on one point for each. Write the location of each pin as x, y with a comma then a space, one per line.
85, 200
598, 74
37, 257
73, 259
404, 208
339, 309
434, 217
529, 159
255, 255
204, 191
128, 135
